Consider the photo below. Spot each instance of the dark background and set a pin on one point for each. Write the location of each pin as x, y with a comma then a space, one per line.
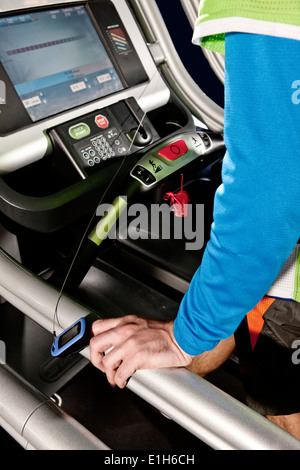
191, 55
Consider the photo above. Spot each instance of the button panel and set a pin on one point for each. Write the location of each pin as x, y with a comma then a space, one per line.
93, 140
205, 139
163, 160
101, 147
143, 175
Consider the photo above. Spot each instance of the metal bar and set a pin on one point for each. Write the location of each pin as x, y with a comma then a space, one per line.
173, 69
15, 435
213, 416
36, 422
216, 60
216, 418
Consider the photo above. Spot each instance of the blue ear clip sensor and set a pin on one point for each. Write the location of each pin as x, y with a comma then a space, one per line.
72, 340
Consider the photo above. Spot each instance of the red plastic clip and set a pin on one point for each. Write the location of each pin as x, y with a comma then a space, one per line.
179, 201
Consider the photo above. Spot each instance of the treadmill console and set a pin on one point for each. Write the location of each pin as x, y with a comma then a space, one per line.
103, 135
83, 91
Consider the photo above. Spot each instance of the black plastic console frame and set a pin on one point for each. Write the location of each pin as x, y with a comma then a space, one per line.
50, 213
47, 214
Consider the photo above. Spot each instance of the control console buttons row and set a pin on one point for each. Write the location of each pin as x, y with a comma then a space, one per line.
143, 175
81, 130
95, 160
102, 147
89, 154
205, 139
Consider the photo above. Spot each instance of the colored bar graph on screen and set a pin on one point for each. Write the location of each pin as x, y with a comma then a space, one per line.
119, 41
21, 50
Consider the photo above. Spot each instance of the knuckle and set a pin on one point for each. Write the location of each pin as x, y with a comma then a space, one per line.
131, 318
132, 344
129, 329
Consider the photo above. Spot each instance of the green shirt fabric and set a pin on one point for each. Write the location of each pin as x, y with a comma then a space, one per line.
269, 17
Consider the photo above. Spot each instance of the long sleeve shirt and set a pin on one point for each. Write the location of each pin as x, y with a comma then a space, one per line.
257, 207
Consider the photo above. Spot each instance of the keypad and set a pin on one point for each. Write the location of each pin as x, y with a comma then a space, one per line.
101, 147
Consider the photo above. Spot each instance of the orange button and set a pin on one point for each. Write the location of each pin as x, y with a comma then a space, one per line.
174, 151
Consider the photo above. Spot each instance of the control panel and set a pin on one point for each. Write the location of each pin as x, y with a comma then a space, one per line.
102, 135
177, 152
98, 138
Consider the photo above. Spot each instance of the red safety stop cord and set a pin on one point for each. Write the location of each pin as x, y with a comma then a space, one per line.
179, 201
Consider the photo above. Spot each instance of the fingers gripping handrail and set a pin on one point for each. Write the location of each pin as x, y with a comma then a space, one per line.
213, 416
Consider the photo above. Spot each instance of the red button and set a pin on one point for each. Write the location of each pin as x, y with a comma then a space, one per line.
174, 151
101, 121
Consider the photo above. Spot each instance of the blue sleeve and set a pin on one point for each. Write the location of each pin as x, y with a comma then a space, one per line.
257, 207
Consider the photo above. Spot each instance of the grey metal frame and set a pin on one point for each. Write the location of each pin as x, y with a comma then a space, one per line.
36, 422
216, 61
178, 78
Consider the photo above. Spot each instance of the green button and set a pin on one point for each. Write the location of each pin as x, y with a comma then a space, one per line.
79, 131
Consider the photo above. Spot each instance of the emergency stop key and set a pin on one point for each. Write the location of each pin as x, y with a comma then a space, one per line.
174, 150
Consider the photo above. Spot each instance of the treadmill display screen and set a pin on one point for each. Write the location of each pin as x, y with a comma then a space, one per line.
56, 60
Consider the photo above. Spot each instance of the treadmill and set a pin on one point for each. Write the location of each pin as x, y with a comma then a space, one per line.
96, 109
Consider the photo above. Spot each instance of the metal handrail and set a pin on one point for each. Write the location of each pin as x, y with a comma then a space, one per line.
177, 76
216, 60
198, 406
36, 422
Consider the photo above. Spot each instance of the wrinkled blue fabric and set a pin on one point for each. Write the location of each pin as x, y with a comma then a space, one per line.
257, 207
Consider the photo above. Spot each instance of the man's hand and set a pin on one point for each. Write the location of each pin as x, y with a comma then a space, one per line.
137, 344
